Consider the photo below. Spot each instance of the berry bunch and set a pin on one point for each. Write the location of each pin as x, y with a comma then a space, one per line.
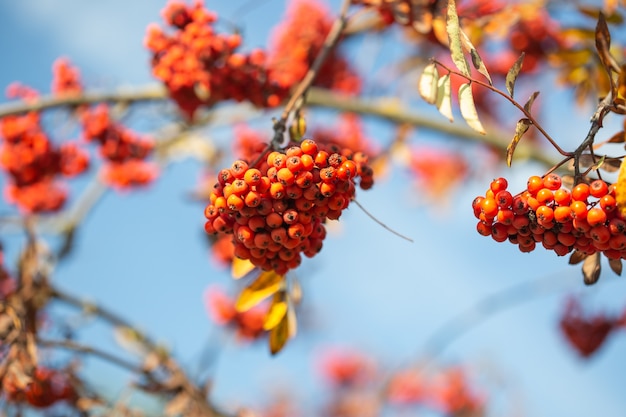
276, 211
201, 67
585, 219
48, 386
33, 163
586, 333
125, 152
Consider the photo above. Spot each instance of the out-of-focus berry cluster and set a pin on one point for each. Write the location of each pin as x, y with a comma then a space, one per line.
585, 219
277, 210
248, 325
201, 67
34, 163
47, 387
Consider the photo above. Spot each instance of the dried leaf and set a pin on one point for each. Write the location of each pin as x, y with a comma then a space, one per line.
241, 267
521, 128
468, 109
529, 104
295, 291
444, 100
620, 189
277, 311
454, 36
511, 75
577, 257
616, 266
476, 60
265, 285
297, 129
619, 137
591, 269
427, 86
603, 44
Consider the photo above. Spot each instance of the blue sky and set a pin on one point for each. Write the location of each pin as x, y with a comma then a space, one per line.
144, 254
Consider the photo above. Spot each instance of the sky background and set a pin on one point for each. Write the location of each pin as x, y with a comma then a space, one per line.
144, 254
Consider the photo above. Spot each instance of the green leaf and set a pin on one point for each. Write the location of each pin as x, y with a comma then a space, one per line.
265, 285
476, 60
427, 86
444, 100
454, 36
520, 129
468, 109
511, 75
531, 100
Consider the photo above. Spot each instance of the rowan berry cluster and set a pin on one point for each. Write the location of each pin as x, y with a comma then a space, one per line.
33, 164
48, 386
296, 43
585, 219
201, 67
124, 152
248, 325
277, 211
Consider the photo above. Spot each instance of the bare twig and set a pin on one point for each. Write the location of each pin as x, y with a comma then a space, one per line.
371, 216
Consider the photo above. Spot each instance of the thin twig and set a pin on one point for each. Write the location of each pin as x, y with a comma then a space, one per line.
371, 216
90, 350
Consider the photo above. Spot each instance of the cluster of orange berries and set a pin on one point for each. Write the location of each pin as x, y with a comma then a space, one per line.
124, 152
48, 386
277, 211
202, 67
585, 219
297, 41
33, 164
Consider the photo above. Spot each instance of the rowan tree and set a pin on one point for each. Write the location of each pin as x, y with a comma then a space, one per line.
319, 191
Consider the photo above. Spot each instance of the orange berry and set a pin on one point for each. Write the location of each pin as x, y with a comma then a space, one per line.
256, 223
544, 214
274, 220
290, 216
252, 176
498, 184
264, 185
552, 182
293, 151
617, 242
239, 187
562, 214
262, 240
235, 202
327, 174
489, 207
617, 226
321, 159
252, 199
608, 203
504, 199
239, 168
598, 188
307, 162
581, 192
279, 235
579, 209
293, 192
545, 196
277, 190
309, 147
562, 197
600, 234
534, 184
596, 216
304, 179
566, 239
277, 160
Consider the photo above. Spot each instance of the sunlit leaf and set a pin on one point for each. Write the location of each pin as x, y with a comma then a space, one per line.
297, 129
620, 189
591, 269
511, 75
616, 266
529, 104
468, 109
577, 257
427, 86
454, 36
265, 285
444, 100
241, 267
521, 128
284, 330
476, 60
277, 310
621, 81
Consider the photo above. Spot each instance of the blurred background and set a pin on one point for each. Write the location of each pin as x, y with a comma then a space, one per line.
145, 255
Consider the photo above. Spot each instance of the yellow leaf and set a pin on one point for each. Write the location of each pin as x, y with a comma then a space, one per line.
241, 267
520, 129
454, 36
277, 311
297, 129
444, 101
427, 86
265, 285
284, 330
468, 109
511, 75
620, 189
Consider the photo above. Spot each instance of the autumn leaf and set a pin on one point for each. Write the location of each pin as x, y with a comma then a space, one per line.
591, 269
616, 266
444, 101
284, 330
265, 285
577, 257
476, 60
511, 75
468, 109
241, 267
454, 36
620, 189
277, 310
520, 129
531, 100
427, 86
